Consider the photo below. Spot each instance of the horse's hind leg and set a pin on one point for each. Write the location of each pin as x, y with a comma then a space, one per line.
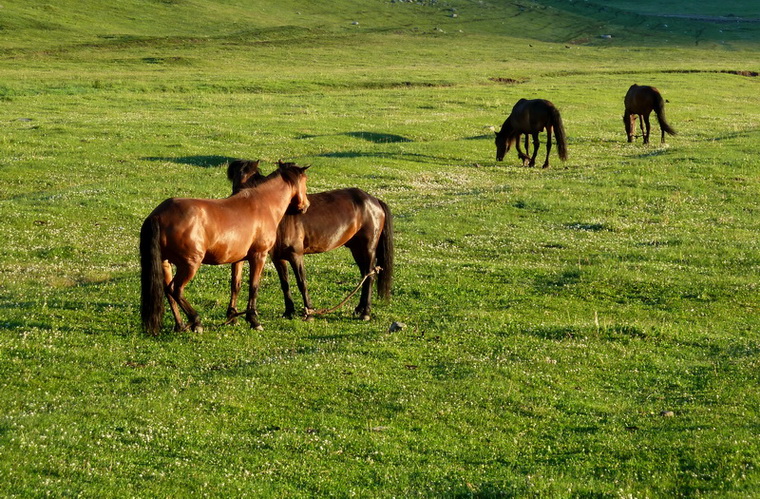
536, 145
548, 146
185, 273
235, 280
178, 325
364, 255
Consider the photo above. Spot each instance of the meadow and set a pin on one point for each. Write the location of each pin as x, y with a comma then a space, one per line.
586, 330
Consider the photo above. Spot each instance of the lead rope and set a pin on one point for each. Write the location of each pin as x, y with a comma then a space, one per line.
324, 311
321, 311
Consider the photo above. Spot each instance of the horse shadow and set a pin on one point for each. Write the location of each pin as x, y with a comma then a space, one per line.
203, 161
374, 137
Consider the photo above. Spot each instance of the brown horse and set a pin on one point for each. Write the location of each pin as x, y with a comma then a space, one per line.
190, 232
529, 117
343, 217
641, 100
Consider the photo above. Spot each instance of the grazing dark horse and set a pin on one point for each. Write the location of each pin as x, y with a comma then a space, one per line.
190, 232
529, 117
343, 217
641, 100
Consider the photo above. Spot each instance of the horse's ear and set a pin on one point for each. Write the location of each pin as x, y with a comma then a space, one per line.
304, 168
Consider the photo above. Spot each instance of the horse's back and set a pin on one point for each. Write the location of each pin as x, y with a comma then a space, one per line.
641, 99
333, 219
212, 231
531, 115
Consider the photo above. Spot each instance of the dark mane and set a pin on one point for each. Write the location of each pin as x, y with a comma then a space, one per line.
289, 172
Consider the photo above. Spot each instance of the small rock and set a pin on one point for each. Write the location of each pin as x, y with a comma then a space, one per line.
355, 23
606, 37
396, 326
667, 414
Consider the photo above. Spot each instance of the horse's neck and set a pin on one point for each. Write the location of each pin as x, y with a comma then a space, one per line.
277, 192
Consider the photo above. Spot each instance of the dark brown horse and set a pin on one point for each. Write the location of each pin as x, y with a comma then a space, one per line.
529, 117
343, 217
190, 232
641, 100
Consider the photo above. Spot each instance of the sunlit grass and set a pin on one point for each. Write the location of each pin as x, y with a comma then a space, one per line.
554, 318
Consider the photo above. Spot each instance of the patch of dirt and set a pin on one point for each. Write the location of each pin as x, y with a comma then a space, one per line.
507, 81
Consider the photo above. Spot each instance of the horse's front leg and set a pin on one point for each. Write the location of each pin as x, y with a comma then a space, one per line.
644, 124
235, 282
256, 262
300, 272
282, 272
548, 146
536, 144
522, 155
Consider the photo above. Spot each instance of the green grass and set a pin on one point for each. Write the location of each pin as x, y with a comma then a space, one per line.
552, 315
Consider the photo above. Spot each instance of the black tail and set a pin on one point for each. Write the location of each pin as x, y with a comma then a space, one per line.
659, 109
559, 132
385, 255
152, 292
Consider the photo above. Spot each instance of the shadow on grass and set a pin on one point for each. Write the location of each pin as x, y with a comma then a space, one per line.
374, 137
404, 156
210, 161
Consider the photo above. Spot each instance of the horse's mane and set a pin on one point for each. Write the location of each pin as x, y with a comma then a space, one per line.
289, 172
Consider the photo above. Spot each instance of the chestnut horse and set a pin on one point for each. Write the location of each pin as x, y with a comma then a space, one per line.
641, 100
529, 117
190, 232
342, 217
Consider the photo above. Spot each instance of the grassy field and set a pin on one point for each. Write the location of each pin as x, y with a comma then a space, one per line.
586, 330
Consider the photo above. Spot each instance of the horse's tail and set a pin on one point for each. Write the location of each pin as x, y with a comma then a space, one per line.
659, 109
385, 254
559, 132
152, 290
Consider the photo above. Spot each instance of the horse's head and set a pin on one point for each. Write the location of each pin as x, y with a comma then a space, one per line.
296, 176
244, 173
501, 146
504, 141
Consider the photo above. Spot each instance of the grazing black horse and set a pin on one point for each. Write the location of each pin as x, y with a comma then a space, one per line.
641, 100
529, 117
342, 217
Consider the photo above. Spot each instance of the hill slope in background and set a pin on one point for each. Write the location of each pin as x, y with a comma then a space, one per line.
44, 26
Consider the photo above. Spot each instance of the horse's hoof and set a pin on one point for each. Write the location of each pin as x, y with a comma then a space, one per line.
308, 318
257, 327
364, 317
198, 329
288, 315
